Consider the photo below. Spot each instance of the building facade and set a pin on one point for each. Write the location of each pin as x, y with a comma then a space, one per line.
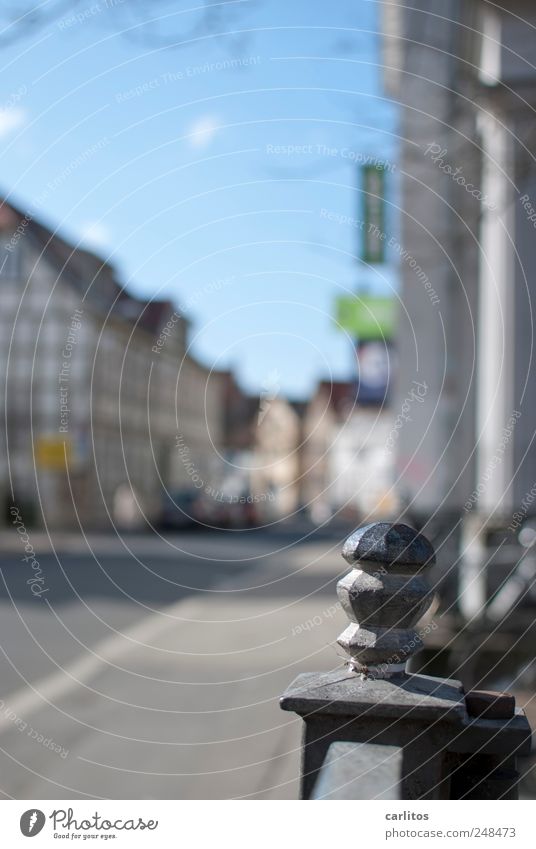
347, 460
97, 387
464, 76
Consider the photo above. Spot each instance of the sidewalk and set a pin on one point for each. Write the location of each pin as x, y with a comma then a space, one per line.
186, 704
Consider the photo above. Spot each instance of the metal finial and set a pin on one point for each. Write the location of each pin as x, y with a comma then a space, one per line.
384, 595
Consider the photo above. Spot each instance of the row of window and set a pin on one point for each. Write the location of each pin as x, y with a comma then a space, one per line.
9, 260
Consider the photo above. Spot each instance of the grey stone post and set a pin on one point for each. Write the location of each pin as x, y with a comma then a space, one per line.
446, 748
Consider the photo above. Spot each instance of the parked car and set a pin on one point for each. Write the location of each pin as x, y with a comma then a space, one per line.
182, 509
230, 511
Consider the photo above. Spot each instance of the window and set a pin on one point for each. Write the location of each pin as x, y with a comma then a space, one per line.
9, 260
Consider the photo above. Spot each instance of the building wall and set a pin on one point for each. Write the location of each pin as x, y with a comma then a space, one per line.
126, 439
471, 90
121, 401
347, 456
361, 464
198, 404
438, 259
35, 322
276, 460
524, 383
319, 422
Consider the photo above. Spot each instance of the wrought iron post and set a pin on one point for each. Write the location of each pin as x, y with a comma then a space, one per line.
449, 748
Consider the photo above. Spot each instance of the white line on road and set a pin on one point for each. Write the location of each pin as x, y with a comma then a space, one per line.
33, 697
30, 698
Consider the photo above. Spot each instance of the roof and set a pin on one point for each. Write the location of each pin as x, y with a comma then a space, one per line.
342, 394
93, 277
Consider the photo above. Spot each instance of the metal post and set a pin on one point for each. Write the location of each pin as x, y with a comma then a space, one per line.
374, 701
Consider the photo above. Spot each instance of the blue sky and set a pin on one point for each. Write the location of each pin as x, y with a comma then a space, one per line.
181, 166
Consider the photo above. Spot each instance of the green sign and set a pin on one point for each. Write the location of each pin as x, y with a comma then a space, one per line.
373, 193
366, 316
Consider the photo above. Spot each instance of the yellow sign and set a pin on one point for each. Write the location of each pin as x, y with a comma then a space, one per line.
52, 453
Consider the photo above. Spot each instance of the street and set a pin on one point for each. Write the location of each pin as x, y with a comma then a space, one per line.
152, 668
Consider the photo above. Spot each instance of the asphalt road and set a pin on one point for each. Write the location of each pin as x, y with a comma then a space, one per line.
152, 668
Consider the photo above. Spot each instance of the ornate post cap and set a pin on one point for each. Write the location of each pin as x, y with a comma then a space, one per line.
431, 719
384, 595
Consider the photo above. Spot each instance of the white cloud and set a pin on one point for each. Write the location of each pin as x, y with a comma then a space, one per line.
11, 119
202, 131
95, 236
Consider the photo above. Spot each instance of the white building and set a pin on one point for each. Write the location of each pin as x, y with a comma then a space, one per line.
347, 462
464, 74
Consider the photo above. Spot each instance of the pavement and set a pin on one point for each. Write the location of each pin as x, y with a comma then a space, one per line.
152, 668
